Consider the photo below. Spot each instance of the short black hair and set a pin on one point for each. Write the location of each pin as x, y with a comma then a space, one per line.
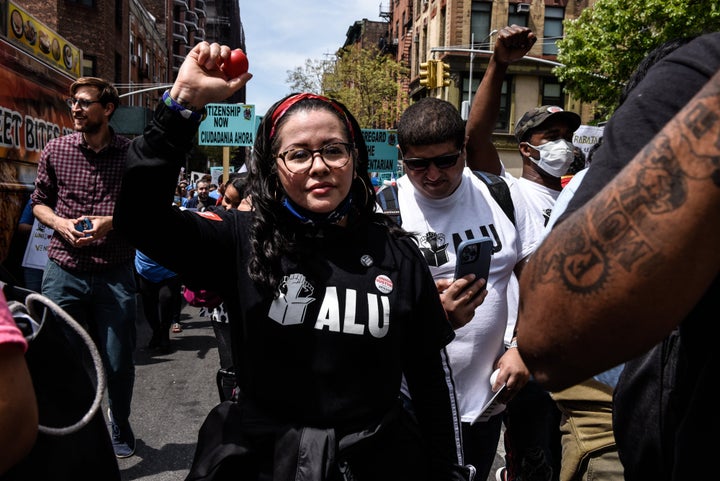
430, 121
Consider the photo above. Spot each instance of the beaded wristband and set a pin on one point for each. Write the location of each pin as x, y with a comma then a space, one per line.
513, 344
184, 112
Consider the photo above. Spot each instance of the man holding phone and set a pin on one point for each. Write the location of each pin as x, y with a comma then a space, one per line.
445, 203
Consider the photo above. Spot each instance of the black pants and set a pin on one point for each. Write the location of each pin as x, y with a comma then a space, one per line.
532, 435
161, 305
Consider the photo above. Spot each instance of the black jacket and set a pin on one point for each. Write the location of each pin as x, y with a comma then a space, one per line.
330, 352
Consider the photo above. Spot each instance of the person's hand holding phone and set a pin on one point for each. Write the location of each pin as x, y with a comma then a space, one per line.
460, 298
92, 228
462, 295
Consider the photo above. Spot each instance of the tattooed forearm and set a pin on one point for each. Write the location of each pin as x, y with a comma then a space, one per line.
605, 239
625, 226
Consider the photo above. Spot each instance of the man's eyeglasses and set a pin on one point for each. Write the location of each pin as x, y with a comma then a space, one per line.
84, 104
335, 156
441, 162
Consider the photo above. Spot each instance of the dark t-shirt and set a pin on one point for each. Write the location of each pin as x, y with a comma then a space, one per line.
664, 407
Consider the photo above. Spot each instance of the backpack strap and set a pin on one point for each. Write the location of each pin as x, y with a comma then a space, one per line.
500, 192
387, 196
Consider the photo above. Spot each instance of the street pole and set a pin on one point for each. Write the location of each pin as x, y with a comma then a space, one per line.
472, 57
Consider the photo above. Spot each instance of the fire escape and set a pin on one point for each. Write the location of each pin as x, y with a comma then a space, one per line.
400, 42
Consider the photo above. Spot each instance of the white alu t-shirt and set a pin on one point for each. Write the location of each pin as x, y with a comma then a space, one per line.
440, 225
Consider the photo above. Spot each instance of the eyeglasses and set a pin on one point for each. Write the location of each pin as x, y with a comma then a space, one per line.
84, 104
334, 156
441, 162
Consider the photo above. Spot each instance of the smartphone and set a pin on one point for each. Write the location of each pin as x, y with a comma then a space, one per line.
84, 225
473, 257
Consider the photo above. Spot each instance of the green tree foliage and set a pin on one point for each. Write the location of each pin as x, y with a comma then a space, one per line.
603, 46
366, 81
369, 84
308, 78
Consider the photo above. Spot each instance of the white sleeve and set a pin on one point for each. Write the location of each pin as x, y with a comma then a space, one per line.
563, 200
528, 226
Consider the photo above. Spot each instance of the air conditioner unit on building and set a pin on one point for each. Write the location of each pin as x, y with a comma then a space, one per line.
134, 59
522, 8
465, 109
395, 41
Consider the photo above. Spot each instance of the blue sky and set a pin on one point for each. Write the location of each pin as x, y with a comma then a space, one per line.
281, 34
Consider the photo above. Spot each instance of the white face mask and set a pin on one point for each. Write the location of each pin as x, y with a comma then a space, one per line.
555, 157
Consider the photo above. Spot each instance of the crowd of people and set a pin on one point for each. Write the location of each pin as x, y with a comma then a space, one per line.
351, 350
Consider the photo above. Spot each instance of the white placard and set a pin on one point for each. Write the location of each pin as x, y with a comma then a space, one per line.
586, 136
36, 251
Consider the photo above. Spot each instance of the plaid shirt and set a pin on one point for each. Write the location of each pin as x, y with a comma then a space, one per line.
73, 180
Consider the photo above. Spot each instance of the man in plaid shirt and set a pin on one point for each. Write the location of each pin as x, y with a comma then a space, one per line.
90, 271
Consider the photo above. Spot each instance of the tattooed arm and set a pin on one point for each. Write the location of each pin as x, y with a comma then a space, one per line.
621, 272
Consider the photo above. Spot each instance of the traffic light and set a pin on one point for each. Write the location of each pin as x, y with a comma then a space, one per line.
443, 75
428, 72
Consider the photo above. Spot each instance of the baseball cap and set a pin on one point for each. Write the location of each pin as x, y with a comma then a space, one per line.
535, 117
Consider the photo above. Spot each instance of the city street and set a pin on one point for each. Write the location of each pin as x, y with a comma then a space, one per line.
173, 394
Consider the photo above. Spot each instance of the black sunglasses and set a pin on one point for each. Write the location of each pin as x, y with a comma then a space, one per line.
441, 162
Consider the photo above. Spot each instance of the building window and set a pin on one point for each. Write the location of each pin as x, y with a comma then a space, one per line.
118, 68
520, 19
148, 64
89, 66
441, 36
119, 13
552, 93
84, 3
140, 54
132, 44
480, 21
553, 29
503, 121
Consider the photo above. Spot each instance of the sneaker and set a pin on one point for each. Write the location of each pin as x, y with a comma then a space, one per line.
123, 439
501, 474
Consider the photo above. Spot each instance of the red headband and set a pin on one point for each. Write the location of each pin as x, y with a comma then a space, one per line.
292, 100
